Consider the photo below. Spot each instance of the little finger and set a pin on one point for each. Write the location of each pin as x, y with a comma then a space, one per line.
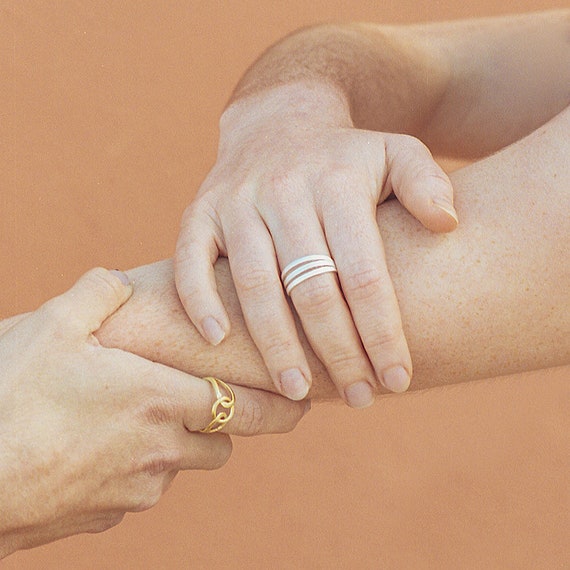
368, 289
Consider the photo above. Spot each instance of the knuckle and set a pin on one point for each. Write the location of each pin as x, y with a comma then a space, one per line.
430, 172
384, 339
342, 360
417, 172
251, 416
363, 283
191, 292
59, 319
237, 196
158, 410
219, 455
105, 522
146, 501
200, 209
60, 312
336, 176
192, 210
186, 247
316, 295
100, 279
163, 461
442, 182
253, 278
282, 183
411, 143
276, 348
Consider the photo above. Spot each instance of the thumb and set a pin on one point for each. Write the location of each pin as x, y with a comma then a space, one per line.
420, 184
93, 298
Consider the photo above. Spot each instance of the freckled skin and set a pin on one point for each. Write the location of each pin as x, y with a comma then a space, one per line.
464, 296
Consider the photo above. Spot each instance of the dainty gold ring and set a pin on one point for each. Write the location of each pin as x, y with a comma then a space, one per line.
220, 418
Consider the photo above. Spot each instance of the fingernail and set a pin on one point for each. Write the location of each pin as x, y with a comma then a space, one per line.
396, 379
293, 384
122, 277
213, 331
359, 395
307, 407
447, 208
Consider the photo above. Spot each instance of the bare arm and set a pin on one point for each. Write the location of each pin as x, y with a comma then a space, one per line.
317, 133
491, 298
88, 433
465, 88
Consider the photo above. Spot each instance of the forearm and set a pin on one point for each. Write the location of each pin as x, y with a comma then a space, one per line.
466, 87
491, 298
375, 77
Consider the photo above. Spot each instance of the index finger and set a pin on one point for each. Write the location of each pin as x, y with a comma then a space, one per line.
255, 411
197, 249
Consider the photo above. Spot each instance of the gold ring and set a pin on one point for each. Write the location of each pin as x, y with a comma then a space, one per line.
220, 418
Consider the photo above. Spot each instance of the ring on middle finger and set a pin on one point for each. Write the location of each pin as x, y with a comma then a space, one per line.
304, 268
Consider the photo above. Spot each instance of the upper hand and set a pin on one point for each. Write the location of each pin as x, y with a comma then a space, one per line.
287, 185
88, 433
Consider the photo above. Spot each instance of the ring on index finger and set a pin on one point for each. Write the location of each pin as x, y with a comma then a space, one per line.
304, 268
220, 418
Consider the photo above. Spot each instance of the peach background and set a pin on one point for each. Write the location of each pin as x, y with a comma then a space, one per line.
108, 118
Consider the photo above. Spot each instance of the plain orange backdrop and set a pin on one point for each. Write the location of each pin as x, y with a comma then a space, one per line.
108, 118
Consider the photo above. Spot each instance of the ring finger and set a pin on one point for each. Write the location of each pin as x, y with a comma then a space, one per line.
323, 312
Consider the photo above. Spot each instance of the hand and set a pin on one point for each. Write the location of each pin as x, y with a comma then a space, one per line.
88, 433
294, 178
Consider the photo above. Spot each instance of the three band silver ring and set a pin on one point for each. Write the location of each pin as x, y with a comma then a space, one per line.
304, 268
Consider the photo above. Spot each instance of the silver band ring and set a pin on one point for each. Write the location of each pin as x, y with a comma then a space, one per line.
304, 268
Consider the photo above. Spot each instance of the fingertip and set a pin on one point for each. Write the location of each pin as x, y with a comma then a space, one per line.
293, 384
359, 395
450, 220
301, 409
93, 298
126, 284
121, 276
396, 379
122, 292
213, 331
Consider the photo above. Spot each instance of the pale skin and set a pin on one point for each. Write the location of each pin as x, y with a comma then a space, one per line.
307, 151
490, 298
89, 433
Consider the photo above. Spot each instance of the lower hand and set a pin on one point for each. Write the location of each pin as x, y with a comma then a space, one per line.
88, 433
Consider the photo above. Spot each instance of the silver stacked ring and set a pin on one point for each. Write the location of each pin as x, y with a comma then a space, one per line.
304, 268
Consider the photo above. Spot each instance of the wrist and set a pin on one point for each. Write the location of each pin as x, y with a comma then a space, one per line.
301, 102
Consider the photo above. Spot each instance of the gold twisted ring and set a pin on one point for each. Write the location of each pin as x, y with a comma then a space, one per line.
220, 418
